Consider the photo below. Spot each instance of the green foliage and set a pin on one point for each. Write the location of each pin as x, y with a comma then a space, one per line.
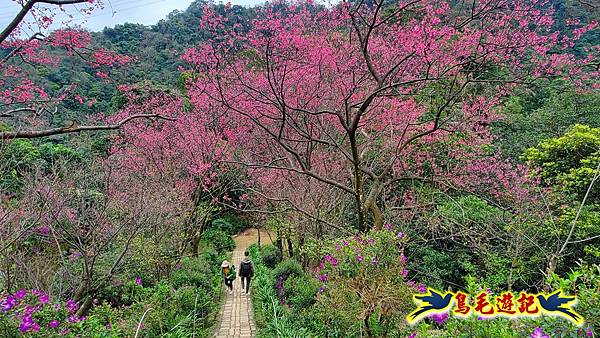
270, 256
228, 224
286, 269
546, 111
300, 291
568, 159
219, 240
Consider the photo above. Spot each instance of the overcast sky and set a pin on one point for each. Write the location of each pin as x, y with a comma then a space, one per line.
146, 12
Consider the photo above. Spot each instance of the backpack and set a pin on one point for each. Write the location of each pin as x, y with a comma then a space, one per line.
231, 274
246, 269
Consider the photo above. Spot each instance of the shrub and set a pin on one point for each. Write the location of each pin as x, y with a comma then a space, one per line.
300, 291
287, 268
228, 225
270, 256
219, 240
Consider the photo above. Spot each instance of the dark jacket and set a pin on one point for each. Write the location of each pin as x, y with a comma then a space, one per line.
249, 270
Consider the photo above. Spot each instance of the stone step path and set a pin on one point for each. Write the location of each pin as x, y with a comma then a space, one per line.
237, 316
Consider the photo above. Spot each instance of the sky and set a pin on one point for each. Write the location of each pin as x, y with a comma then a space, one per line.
146, 12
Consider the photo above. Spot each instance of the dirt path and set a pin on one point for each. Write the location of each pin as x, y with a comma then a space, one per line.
237, 317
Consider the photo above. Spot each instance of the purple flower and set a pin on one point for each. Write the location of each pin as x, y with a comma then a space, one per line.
54, 324
404, 273
43, 230
64, 332
138, 281
323, 278
72, 306
403, 259
400, 235
374, 260
422, 288
413, 335
108, 327
589, 332
20, 294
371, 241
411, 283
539, 333
388, 226
321, 290
359, 258
440, 318
8, 303
26, 323
338, 247
321, 266
43, 298
345, 243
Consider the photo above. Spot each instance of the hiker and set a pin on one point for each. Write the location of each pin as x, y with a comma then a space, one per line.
228, 274
246, 271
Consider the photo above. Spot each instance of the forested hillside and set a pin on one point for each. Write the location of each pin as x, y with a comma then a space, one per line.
383, 149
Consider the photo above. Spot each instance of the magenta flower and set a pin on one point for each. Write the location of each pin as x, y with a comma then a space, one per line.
54, 324
323, 278
345, 243
400, 235
138, 281
388, 226
403, 259
8, 303
108, 327
404, 273
440, 318
359, 258
413, 335
43, 298
72, 306
411, 283
589, 332
371, 241
539, 333
20, 294
422, 288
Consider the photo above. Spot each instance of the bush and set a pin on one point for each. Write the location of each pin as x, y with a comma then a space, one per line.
220, 240
270, 256
287, 268
228, 225
300, 291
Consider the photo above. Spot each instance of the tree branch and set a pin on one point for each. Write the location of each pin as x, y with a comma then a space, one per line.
9, 135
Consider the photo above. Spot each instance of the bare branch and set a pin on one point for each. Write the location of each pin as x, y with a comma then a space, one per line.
28, 134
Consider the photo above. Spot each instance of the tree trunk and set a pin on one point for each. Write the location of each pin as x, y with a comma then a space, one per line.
290, 247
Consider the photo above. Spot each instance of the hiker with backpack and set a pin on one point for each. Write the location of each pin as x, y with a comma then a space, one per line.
246, 271
228, 271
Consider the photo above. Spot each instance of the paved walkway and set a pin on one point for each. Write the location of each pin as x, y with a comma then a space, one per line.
237, 317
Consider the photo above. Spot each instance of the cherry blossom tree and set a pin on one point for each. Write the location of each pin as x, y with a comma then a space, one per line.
25, 98
361, 96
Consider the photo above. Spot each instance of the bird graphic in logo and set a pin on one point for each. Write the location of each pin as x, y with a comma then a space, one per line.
557, 304
429, 303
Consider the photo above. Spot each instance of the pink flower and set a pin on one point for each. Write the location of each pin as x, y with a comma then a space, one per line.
422, 288
54, 324
440, 318
539, 333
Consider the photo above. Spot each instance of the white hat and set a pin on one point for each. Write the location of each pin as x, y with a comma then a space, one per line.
225, 264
